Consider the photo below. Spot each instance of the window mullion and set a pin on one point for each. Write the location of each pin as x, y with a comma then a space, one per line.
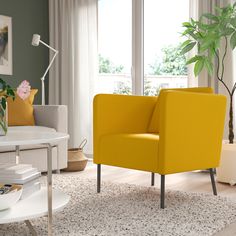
137, 47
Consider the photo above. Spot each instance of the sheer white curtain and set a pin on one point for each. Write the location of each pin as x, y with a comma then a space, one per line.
73, 31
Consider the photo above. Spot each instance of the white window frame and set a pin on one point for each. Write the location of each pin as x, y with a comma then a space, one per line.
137, 69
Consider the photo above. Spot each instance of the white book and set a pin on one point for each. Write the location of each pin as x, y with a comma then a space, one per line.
31, 182
9, 180
19, 174
13, 168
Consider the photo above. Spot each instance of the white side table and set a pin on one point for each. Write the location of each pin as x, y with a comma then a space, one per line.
40, 203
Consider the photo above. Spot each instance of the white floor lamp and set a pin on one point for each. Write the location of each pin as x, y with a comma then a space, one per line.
35, 42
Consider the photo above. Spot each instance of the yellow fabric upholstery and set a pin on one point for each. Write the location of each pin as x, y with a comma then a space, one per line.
21, 112
190, 132
154, 125
140, 149
114, 114
189, 138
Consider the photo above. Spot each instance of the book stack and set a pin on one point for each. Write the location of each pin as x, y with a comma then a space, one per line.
21, 174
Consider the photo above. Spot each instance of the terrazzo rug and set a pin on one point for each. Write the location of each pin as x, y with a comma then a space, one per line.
123, 209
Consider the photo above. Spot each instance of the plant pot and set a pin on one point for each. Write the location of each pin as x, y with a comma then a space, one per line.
3, 120
226, 172
77, 161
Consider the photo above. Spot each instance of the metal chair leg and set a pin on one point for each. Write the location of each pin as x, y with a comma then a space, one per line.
153, 179
98, 178
213, 181
162, 191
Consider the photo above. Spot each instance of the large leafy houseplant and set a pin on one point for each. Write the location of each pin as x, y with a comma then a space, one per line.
207, 35
5, 92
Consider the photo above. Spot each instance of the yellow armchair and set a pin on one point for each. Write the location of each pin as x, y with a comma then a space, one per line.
180, 130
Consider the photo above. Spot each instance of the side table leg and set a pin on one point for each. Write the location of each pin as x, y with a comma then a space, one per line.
31, 228
58, 169
49, 167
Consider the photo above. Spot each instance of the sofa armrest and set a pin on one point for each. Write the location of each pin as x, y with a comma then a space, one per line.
52, 116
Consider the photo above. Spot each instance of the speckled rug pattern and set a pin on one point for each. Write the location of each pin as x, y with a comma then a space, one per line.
124, 209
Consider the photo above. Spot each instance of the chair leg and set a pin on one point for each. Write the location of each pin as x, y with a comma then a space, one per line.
153, 179
98, 178
162, 191
213, 181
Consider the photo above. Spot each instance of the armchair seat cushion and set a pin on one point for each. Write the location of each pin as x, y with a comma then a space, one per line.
135, 151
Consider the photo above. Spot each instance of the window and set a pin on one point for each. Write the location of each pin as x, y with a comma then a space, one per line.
163, 66
114, 46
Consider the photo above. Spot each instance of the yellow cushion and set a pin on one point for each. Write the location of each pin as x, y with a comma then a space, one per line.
154, 126
135, 151
21, 112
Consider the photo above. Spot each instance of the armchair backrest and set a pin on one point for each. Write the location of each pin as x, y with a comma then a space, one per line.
191, 130
154, 125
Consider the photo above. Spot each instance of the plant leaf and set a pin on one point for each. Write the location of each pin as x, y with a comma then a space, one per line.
187, 48
187, 31
227, 31
11, 93
193, 35
2, 113
211, 17
2, 84
193, 59
209, 66
218, 10
233, 40
233, 21
185, 43
205, 45
3, 103
2, 81
187, 25
198, 67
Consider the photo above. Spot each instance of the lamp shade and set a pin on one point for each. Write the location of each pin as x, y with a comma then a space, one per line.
35, 39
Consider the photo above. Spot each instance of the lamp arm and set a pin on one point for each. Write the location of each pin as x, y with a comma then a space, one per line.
45, 44
50, 64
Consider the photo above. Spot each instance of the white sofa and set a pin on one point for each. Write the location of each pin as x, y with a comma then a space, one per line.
50, 118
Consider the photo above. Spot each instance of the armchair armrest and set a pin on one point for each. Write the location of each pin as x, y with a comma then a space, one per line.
52, 116
191, 130
120, 114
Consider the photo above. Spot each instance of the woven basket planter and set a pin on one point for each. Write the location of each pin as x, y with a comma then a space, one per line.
77, 161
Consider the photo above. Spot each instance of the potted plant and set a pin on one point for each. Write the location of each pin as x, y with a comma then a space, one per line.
23, 92
5, 92
207, 35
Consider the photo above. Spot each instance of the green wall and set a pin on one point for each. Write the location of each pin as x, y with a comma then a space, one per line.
29, 63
